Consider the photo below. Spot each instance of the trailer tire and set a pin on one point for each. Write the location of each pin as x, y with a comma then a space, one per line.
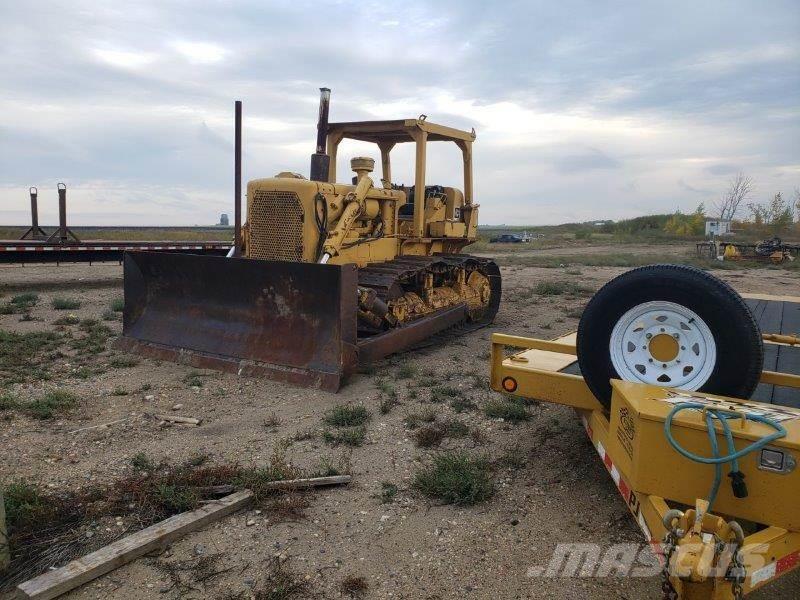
670, 326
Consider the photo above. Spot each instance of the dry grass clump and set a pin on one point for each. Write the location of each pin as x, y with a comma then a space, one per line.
354, 586
47, 529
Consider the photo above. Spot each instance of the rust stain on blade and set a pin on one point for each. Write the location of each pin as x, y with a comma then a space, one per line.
294, 322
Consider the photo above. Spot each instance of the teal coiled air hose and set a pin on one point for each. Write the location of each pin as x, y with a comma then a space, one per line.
733, 456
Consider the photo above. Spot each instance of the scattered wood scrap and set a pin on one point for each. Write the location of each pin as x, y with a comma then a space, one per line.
179, 419
106, 559
296, 484
214, 490
103, 424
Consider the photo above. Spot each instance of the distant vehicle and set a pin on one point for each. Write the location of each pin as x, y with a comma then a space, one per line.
506, 238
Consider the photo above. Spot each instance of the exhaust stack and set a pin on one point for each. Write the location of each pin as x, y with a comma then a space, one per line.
320, 161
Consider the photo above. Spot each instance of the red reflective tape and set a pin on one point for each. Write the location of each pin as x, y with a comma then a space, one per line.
788, 562
607, 461
624, 489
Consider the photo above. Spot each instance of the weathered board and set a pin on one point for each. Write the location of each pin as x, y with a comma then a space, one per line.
108, 558
778, 316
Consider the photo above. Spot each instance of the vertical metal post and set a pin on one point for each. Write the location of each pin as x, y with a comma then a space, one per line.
322, 121
467, 151
35, 232
421, 138
386, 164
34, 209
320, 162
62, 212
237, 180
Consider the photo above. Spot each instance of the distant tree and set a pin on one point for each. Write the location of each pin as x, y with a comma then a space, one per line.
797, 204
687, 225
739, 189
776, 216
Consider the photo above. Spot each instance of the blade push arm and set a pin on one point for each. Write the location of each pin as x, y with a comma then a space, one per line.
355, 205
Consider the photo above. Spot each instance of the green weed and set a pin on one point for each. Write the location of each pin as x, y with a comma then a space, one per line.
347, 415
141, 462
442, 393
51, 404
388, 492
61, 303
456, 478
510, 411
406, 371
413, 420
348, 436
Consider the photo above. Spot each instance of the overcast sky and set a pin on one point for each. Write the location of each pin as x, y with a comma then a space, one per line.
583, 110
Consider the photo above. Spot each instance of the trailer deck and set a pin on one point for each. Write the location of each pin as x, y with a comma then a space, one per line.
34, 251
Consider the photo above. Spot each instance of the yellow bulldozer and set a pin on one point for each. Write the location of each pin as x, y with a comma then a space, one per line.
324, 276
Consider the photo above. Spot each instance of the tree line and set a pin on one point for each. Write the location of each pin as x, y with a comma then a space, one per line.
776, 216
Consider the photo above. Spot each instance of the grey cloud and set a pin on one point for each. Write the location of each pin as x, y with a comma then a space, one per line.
722, 169
694, 190
163, 130
585, 161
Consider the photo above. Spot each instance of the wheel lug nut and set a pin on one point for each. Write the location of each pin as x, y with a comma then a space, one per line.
649, 360
649, 335
664, 366
683, 347
675, 335
663, 330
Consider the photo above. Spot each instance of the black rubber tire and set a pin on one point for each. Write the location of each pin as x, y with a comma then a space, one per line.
740, 350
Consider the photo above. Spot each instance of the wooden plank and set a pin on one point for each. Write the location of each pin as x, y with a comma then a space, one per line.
547, 360
108, 558
294, 484
771, 298
768, 315
788, 356
179, 419
777, 314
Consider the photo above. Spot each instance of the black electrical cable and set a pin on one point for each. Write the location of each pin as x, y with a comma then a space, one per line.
371, 238
322, 222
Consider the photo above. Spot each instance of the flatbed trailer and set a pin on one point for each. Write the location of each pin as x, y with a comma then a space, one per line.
745, 543
36, 251
62, 245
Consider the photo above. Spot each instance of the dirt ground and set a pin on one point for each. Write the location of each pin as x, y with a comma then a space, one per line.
408, 548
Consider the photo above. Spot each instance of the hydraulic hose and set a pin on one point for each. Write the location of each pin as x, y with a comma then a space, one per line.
733, 456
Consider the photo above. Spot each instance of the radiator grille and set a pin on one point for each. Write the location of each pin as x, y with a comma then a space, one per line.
276, 226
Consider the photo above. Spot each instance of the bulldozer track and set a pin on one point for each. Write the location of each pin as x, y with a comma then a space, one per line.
392, 278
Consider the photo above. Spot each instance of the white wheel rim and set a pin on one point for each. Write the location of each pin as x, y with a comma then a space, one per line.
638, 356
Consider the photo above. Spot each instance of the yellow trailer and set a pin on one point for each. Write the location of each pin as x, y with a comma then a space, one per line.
654, 441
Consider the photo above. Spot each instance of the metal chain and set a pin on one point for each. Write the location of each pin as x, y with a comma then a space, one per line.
669, 591
740, 573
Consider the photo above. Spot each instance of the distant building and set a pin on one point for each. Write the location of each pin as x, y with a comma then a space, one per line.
223, 220
717, 227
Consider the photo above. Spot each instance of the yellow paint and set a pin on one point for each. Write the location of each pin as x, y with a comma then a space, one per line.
290, 218
663, 347
631, 435
364, 221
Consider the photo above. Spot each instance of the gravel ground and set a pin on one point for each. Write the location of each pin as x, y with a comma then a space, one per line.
557, 491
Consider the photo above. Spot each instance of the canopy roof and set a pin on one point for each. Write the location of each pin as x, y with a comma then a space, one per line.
398, 131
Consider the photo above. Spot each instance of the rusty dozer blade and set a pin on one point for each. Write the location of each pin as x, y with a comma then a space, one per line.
292, 322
